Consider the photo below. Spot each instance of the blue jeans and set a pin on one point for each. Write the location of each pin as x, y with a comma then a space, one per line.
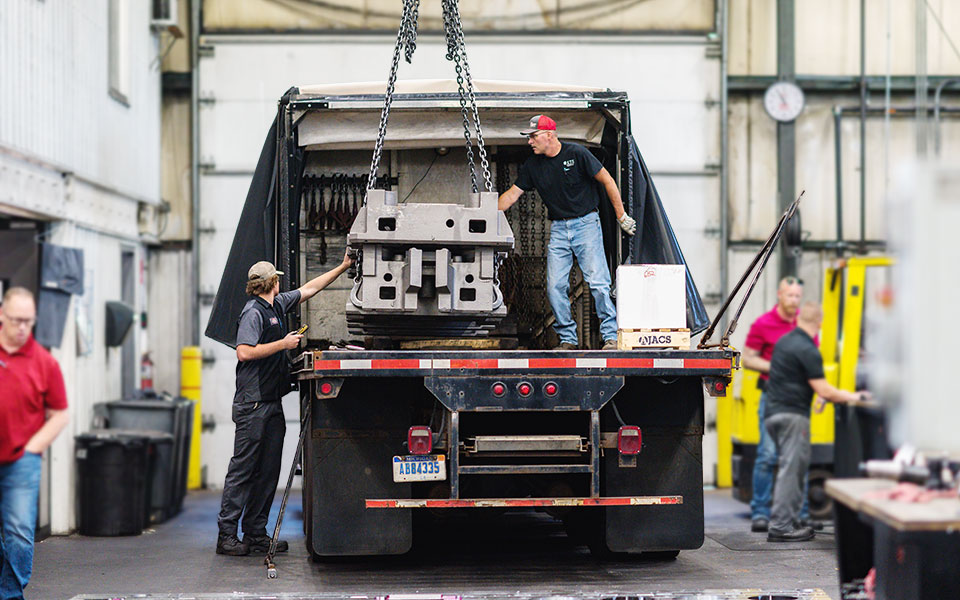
580, 237
763, 469
19, 488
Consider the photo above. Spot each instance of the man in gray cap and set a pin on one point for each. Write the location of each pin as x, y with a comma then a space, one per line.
262, 379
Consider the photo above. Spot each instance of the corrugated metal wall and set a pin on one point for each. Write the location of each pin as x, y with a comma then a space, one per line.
55, 94
828, 37
72, 155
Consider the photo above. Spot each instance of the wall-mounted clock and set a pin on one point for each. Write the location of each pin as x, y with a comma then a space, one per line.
783, 101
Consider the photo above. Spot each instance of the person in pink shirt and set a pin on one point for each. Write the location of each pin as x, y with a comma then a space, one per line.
763, 336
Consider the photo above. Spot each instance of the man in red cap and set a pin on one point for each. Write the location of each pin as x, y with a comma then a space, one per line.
33, 411
262, 380
563, 173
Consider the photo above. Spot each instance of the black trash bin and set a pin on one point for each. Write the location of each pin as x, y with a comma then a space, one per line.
174, 416
161, 480
112, 482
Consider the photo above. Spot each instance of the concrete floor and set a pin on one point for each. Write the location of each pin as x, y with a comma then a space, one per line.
528, 556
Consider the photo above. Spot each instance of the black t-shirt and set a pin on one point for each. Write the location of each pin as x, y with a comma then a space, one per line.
795, 361
264, 379
565, 182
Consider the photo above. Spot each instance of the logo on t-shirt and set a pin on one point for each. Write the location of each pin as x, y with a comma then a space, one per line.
568, 164
274, 321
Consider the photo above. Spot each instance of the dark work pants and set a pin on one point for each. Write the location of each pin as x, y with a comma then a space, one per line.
254, 470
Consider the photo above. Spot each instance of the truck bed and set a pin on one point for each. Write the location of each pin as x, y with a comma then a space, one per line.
421, 363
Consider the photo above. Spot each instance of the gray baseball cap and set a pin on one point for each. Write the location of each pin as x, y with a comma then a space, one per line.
262, 270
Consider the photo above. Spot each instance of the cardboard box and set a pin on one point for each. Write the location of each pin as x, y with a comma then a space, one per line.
651, 297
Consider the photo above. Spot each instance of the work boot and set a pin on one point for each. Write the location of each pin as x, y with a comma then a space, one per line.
812, 524
260, 544
610, 344
229, 544
760, 524
565, 346
797, 535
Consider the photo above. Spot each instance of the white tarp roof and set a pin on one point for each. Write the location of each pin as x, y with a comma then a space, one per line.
438, 86
417, 125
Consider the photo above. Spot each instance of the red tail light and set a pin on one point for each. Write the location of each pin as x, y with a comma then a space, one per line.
550, 389
629, 439
326, 388
499, 389
524, 389
419, 439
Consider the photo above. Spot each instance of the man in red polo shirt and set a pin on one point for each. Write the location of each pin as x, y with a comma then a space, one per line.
33, 411
764, 334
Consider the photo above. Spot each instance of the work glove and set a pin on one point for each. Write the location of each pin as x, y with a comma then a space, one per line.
627, 224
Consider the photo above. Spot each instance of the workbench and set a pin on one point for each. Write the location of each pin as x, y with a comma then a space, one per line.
915, 547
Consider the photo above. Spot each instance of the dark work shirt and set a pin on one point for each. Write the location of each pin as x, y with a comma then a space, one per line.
264, 379
565, 182
795, 361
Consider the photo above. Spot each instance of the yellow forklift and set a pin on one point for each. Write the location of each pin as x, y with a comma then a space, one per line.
738, 428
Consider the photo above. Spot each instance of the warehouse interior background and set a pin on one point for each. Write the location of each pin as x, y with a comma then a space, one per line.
131, 130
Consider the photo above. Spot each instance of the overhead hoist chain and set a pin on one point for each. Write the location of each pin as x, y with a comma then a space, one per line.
456, 53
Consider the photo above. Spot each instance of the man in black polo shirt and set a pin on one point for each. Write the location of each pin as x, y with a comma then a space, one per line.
796, 373
564, 174
262, 380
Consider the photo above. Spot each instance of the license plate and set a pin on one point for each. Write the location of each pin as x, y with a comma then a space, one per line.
423, 467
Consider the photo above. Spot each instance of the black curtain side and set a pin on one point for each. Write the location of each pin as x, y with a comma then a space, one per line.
255, 240
655, 242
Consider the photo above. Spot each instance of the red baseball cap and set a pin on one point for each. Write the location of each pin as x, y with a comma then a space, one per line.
540, 123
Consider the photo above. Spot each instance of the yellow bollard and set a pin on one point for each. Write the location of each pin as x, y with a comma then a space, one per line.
725, 411
191, 366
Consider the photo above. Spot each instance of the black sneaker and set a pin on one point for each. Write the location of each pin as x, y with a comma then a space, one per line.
231, 546
797, 535
815, 525
261, 543
760, 524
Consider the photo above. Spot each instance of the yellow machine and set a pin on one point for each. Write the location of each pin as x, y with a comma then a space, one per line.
840, 333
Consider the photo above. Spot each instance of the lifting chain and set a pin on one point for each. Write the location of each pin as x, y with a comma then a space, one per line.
407, 42
457, 53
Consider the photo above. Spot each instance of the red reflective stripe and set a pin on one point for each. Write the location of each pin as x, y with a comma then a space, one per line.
326, 365
525, 502
473, 363
629, 363
706, 363
395, 363
553, 363
533, 363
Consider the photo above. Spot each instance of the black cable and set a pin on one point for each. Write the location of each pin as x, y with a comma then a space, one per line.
617, 413
435, 157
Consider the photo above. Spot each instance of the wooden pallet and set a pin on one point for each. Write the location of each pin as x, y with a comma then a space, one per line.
477, 343
632, 339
